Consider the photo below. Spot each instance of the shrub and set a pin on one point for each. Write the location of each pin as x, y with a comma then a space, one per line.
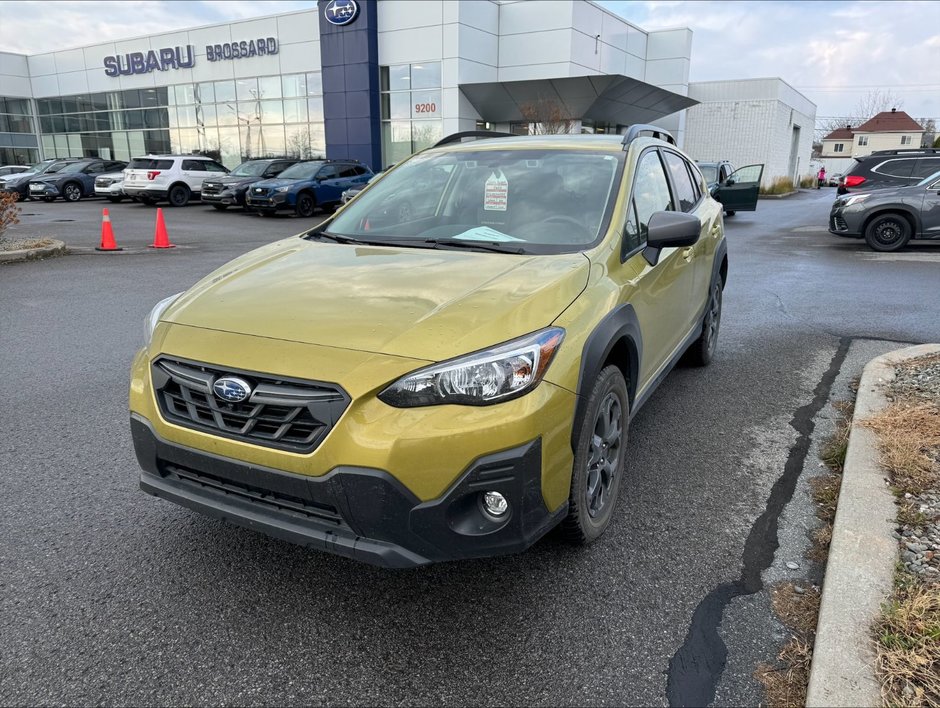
9, 210
808, 182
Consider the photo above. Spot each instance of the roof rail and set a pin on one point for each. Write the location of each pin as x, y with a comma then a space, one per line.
633, 132
457, 137
907, 151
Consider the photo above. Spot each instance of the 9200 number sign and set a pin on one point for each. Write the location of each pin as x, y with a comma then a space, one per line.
426, 108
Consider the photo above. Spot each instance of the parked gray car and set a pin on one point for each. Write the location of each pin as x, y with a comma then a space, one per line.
888, 218
73, 181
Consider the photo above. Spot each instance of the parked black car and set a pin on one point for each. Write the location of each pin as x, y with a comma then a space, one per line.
73, 181
223, 191
737, 190
889, 168
888, 218
20, 183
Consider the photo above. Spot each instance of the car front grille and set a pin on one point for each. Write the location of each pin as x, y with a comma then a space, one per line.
103, 182
286, 503
212, 188
281, 413
259, 192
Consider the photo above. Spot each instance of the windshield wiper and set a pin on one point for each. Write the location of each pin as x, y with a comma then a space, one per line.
336, 238
494, 246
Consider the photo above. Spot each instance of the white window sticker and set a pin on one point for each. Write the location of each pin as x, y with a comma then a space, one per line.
496, 192
485, 233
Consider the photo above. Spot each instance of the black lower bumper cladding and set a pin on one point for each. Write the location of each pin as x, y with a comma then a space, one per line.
360, 513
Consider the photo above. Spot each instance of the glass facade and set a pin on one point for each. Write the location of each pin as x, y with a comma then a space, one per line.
17, 132
232, 120
411, 109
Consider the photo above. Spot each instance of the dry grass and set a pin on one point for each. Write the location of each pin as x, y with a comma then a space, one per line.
909, 438
780, 185
785, 684
24, 243
909, 645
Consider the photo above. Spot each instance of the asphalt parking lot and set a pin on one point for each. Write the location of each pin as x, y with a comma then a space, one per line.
108, 595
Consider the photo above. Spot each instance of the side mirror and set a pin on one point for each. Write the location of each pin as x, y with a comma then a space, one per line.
670, 229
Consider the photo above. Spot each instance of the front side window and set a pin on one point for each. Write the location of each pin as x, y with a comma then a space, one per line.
650, 195
531, 201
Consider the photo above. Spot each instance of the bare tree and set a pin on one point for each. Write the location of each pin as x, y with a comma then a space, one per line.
298, 145
930, 131
547, 116
868, 106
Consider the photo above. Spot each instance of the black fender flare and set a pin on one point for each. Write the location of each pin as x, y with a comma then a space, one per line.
721, 257
619, 325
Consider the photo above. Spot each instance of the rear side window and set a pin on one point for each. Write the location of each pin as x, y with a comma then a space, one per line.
650, 194
685, 192
925, 167
210, 166
348, 171
194, 165
143, 163
895, 168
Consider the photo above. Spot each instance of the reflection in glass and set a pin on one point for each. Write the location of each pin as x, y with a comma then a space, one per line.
184, 94
295, 110
425, 76
271, 112
246, 89
205, 93
314, 83
294, 85
269, 87
224, 91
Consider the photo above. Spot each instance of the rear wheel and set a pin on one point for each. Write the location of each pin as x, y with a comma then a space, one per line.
888, 232
149, 201
178, 195
306, 205
599, 459
72, 192
703, 349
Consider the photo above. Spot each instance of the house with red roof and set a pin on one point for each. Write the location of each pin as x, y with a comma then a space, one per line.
889, 130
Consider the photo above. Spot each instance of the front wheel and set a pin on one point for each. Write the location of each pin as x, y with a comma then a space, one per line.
306, 205
888, 232
178, 196
599, 459
72, 192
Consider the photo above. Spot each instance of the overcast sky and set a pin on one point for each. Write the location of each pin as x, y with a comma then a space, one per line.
833, 52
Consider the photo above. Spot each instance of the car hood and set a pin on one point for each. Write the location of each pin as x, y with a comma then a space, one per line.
55, 176
18, 179
419, 303
277, 182
230, 181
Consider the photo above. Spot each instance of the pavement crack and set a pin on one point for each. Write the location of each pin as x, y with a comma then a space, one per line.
696, 667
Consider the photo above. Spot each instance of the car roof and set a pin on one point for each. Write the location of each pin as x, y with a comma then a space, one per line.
164, 157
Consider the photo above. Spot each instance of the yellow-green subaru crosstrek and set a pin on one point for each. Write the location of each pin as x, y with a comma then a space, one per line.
447, 380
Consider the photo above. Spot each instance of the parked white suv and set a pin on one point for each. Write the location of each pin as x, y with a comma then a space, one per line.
110, 186
176, 178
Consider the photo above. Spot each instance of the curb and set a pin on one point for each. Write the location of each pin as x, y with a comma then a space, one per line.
862, 556
33, 254
778, 196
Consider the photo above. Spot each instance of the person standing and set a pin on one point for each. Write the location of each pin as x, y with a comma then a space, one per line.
821, 177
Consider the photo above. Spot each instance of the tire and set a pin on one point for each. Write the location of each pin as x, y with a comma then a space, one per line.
115, 200
595, 480
220, 207
702, 350
48, 199
72, 192
729, 213
178, 195
306, 205
147, 201
888, 232
268, 214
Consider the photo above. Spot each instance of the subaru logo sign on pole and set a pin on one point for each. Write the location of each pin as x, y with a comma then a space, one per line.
341, 12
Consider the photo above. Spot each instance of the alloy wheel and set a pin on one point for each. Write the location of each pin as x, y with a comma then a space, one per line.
604, 453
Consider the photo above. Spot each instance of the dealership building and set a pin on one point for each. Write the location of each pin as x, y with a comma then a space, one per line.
364, 79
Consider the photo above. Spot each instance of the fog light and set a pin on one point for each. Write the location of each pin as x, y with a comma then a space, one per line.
495, 503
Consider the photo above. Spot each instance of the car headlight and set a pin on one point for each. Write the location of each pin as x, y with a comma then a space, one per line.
282, 189
855, 199
154, 317
485, 377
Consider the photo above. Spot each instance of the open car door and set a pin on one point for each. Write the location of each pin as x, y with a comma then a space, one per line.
739, 191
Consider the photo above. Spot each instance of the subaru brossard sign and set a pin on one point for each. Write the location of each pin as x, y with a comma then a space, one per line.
185, 57
341, 12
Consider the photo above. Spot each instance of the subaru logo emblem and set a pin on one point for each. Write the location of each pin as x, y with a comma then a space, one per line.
231, 389
341, 12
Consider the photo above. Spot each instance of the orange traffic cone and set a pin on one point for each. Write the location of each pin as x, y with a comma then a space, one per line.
160, 237
107, 234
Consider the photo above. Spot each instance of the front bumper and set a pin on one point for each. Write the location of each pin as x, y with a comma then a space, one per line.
114, 190
39, 190
360, 513
226, 197
846, 221
272, 203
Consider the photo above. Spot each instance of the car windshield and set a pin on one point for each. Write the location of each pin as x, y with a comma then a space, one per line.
528, 201
249, 169
926, 181
302, 170
72, 167
709, 172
